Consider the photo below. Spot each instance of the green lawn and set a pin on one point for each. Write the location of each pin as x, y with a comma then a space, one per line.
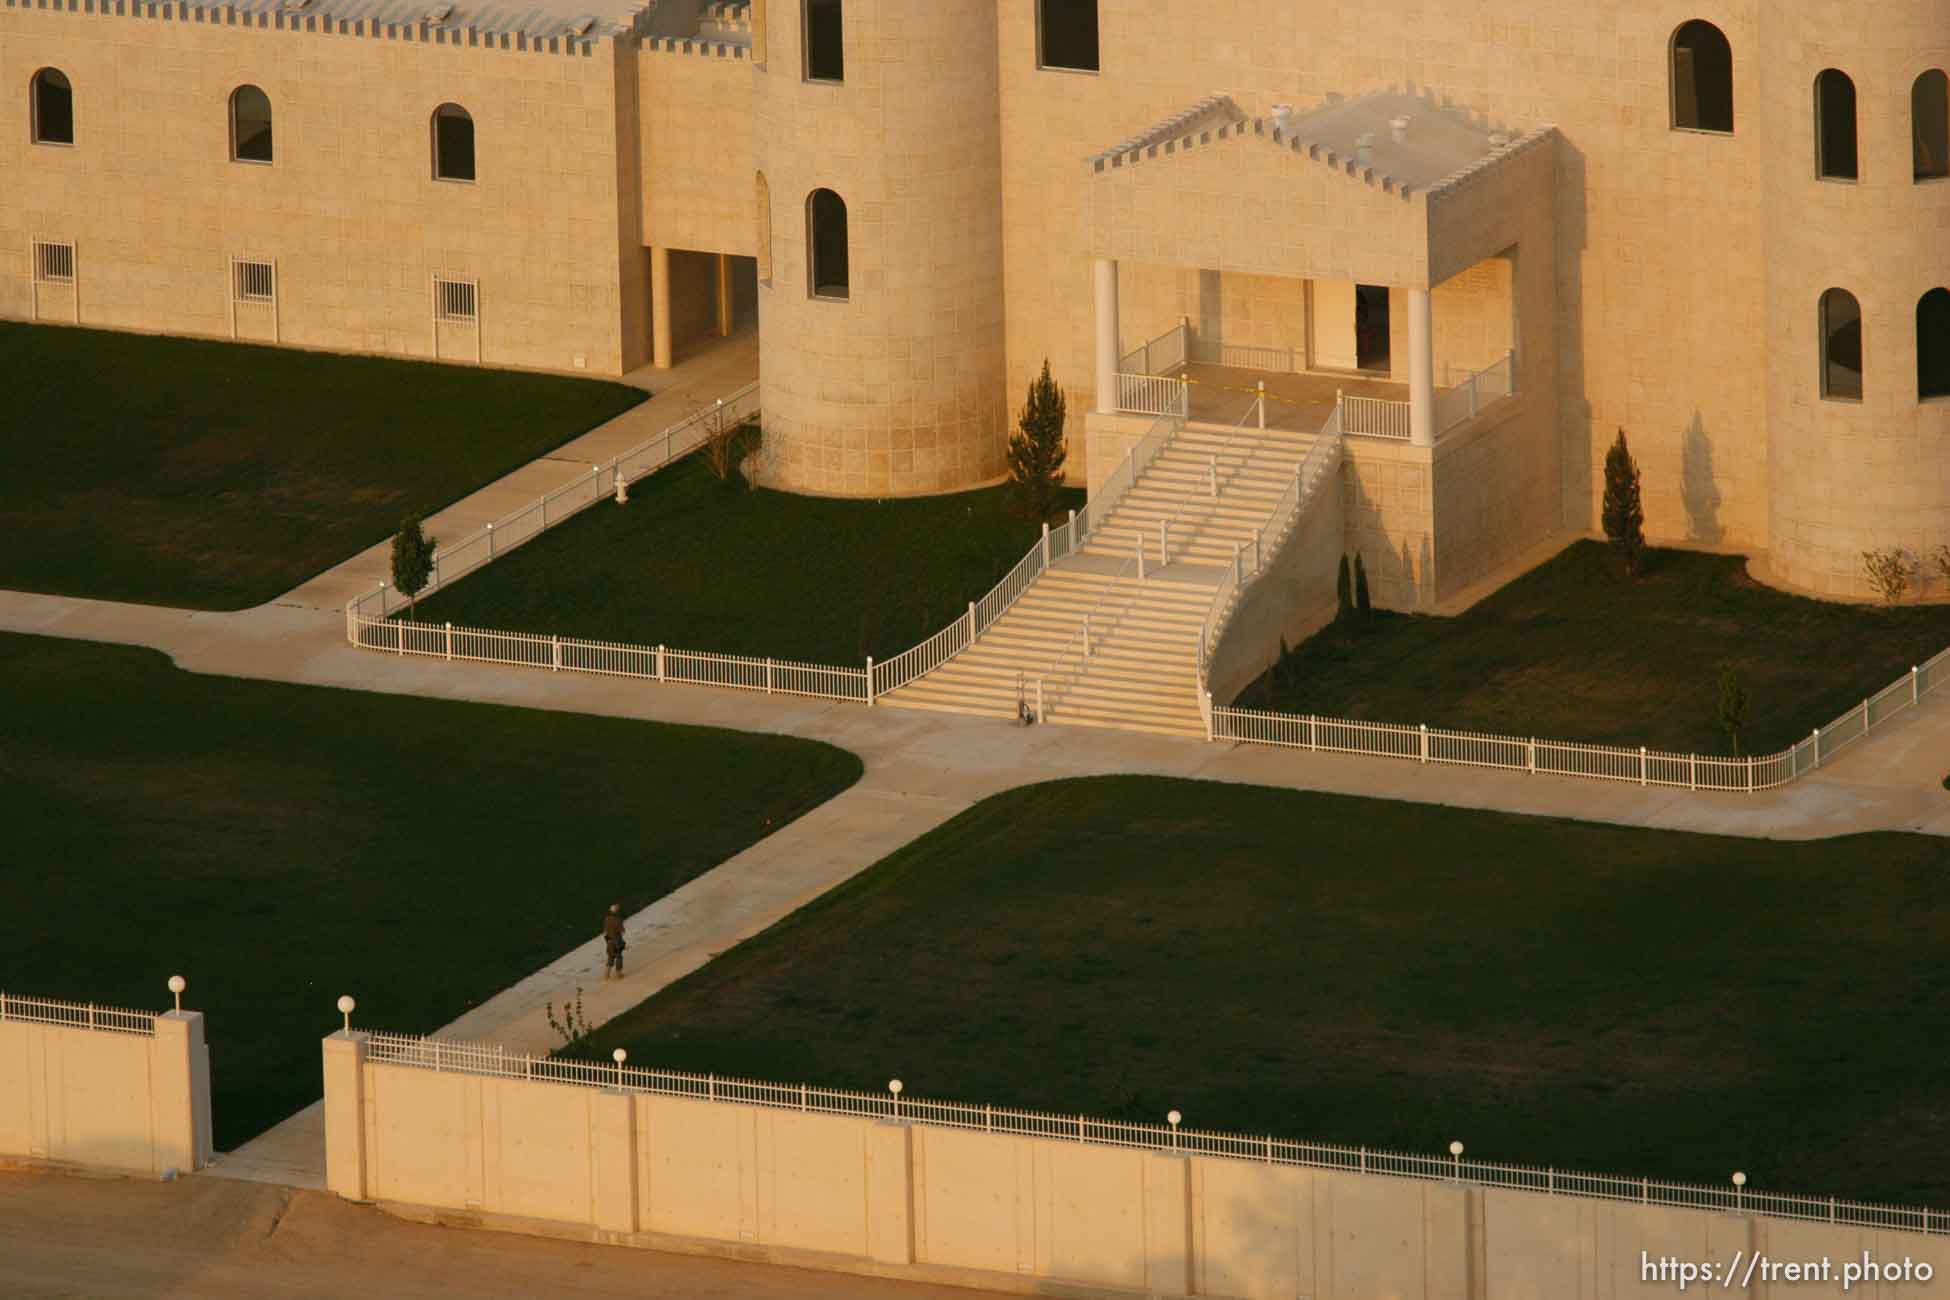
221, 475
1573, 651
695, 564
1319, 966
281, 845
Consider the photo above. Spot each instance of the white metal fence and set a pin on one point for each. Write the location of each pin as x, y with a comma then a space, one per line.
1462, 400
1374, 417
1153, 395
1159, 356
486, 1060
1641, 766
457, 559
75, 1015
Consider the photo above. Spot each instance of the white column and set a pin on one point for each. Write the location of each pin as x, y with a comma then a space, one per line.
1106, 280
660, 308
1421, 370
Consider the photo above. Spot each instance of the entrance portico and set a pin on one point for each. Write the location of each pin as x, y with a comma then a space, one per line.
1380, 268
1366, 201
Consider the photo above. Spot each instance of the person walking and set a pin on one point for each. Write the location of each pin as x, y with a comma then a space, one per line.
613, 940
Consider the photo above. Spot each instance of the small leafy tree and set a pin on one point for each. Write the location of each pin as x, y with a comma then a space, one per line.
1344, 587
412, 561
1361, 602
1942, 557
1624, 510
1732, 709
727, 446
1890, 570
1036, 449
573, 1027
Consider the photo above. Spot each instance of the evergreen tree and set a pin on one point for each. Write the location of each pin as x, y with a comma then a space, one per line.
1344, 587
1624, 511
1732, 710
1361, 586
1036, 449
412, 561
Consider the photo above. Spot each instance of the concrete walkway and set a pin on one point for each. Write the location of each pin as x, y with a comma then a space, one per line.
921, 769
711, 369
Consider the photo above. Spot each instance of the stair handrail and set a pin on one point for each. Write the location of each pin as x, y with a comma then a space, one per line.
1256, 413
1055, 544
1281, 522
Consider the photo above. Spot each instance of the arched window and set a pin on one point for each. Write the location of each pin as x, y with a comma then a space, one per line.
250, 125
825, 52
1929, 109
1835, 152
826, 245
1933, 344
453, 144
1841, 346
764, 200
53, 107
1702, 78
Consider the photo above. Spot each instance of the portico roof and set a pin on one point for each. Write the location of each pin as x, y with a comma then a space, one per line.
1386, 188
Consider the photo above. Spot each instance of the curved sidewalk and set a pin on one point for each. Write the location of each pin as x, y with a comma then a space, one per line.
921, 769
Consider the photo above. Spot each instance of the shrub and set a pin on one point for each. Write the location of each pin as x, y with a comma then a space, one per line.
1942, 557
726, 447
1733, 706
412, 561
1624, 512
1890, 570
1036, 449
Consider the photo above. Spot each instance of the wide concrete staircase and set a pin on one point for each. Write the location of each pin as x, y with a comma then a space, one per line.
1140, 671
1253, 468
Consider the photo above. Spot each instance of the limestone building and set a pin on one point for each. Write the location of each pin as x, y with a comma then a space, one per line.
1480, 239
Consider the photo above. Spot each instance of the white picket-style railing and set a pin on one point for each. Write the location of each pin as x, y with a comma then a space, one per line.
1641, 766
1247, 356
1374, 417
1160, 356
75, 1015
457, 559
1153, 395
1460, 402
487, 1060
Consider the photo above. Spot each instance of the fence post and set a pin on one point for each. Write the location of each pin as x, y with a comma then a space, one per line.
490, 533
660, 663
870, 681
1472, 394
1262, 404
1641, 764
1750, 776
1046, 543
1073, 532
1184, 397
1256, 555
768, 674
1817, 740
1865, 717
1915, 689
555, 654
450, 642
1164, 542
1039, 700
1425, 742
1313, 733
1215, 476
971, 622
1140, 556
1086, 636
1530, 756
545, 511
1236, 549
1692, 771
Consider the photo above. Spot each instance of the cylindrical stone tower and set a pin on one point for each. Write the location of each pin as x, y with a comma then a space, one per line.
1846, 474
890, 383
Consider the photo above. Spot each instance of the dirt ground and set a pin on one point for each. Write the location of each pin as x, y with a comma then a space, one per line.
66, 1235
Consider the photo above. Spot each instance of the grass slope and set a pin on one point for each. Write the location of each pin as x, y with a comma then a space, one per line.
1572, 651
281, 845
695, 564
221, 475
1393, 974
